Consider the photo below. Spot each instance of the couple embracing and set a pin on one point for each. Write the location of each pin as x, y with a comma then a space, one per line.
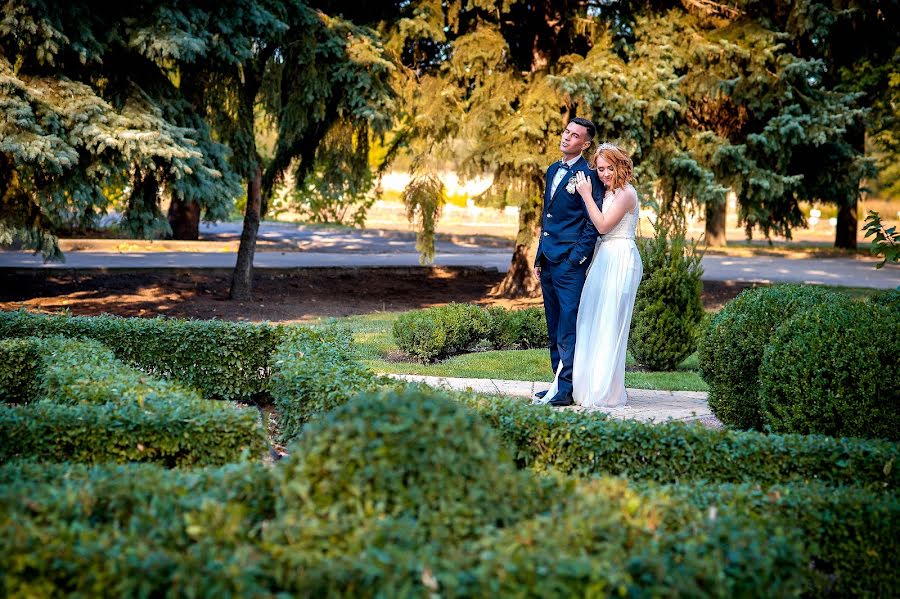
589, 268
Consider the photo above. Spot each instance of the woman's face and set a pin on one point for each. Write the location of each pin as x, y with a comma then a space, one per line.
605, 171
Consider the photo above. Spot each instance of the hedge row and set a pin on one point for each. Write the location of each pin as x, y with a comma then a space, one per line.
81, 404
850, 535
442, 331
375, 500
224, 360
583, 444
801, 359
313, 373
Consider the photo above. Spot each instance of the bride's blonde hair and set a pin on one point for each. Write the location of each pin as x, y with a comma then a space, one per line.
623, 167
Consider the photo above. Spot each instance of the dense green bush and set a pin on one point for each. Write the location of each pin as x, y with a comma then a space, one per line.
314, 372
582, 444
443, 331
887, 298
602, 540
517, 329
94, 409
731, 350
834, 370
412, 455
225, 360
19, 362
668, 310
134, 530
851, 536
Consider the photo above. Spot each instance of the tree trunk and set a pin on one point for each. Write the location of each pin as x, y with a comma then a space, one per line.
847, 225
715, 223
242, 279
184, 218
519, 281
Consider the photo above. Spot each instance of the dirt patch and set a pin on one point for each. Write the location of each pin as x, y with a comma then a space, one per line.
293, 295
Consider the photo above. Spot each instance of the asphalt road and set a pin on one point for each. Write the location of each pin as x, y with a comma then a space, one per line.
327, 247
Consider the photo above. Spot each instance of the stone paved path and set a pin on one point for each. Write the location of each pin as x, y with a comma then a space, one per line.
643, 404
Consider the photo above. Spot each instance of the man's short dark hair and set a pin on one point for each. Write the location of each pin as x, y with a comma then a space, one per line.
591, 129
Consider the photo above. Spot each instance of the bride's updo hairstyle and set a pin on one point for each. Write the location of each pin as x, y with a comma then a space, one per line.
623, 167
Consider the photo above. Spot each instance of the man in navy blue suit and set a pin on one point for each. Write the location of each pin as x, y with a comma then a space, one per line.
565, 249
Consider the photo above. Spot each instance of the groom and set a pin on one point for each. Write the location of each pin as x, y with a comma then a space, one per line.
565, 249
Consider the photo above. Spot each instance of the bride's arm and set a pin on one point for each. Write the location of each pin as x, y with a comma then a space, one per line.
623, 202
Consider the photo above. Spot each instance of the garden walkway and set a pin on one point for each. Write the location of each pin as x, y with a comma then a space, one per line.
643, 404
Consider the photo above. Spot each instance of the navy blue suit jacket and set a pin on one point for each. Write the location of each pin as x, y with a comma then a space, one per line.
567, 232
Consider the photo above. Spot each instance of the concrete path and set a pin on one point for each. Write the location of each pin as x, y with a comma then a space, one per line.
644, 405
850, 272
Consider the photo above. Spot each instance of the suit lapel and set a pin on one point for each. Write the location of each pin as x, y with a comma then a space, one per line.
565, 180
551, 174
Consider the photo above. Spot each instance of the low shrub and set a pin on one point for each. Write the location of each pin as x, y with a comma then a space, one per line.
94, 409
517, 329
168, 432
443, 331
887, 298
668, 309
410, 455
850, 535
314, 372
582, 444
134, 530
19, 359
834, 370
731, 350
225, 360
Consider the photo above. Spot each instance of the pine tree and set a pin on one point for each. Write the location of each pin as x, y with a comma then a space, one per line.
86, 110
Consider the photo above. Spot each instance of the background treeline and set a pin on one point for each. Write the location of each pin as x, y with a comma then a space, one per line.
191, 103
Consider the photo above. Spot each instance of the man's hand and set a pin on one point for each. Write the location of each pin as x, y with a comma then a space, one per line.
536, 271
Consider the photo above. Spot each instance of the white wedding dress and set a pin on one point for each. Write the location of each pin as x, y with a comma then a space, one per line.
604, 316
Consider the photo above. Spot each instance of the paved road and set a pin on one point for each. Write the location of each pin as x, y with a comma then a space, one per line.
323, 247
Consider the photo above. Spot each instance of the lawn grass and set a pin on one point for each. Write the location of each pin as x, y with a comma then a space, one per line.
374, 345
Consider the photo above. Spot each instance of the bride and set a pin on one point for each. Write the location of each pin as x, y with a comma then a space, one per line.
607, 300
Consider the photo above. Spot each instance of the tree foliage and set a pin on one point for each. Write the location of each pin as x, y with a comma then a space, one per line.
88, 105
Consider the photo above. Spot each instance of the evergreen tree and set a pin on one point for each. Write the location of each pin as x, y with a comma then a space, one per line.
856, 45
86, 109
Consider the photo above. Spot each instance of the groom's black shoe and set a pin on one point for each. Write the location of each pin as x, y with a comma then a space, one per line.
541, 394
561, 399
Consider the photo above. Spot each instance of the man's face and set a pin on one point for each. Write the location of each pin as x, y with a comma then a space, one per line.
574, 140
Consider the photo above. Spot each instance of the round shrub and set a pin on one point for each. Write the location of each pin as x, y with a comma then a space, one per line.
731, 348
834, 370
441, 331
410, 456
517, 329
887, 298
668, 309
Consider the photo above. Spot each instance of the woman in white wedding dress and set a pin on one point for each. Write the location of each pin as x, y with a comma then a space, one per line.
607, 301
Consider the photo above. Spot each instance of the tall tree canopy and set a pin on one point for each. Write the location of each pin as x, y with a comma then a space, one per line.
153, 93
88, 107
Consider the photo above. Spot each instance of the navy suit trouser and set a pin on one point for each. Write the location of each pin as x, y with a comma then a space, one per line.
561, 284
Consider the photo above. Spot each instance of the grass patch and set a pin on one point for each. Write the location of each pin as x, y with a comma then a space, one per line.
375, 347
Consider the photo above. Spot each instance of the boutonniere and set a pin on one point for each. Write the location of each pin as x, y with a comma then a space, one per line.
570, 186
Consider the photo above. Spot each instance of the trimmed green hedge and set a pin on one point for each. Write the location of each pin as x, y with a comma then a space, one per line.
834, 370
443, 331
92, 408
313, 372
410, 455
582, 444
134, 530
851, 536
224, 360
731, 350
